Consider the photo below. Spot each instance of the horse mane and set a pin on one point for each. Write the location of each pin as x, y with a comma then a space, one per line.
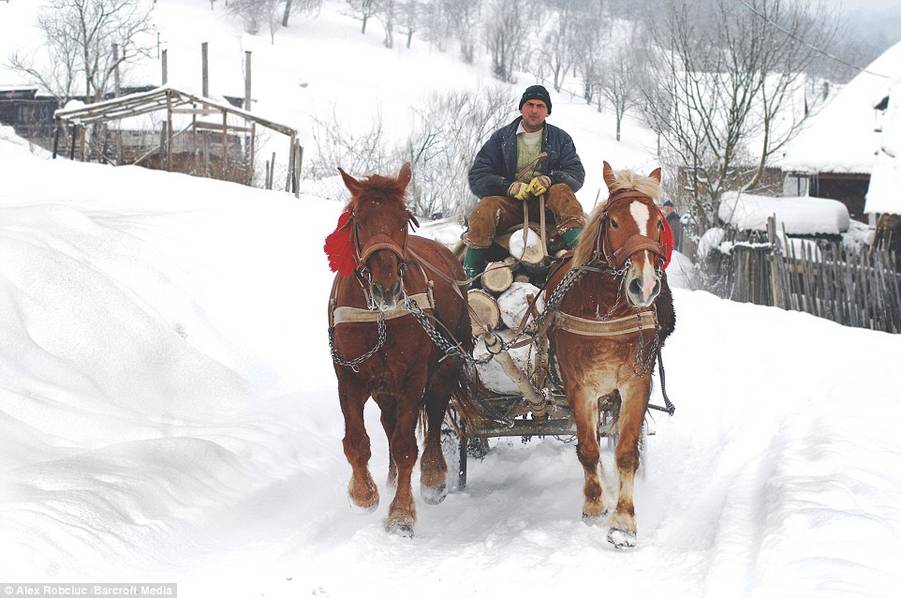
379, 189
625, 180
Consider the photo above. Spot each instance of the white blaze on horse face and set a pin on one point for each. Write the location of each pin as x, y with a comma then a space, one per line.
641, 214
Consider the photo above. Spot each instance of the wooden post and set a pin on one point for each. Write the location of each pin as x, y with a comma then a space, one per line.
253, 147
82, 134
194, 141
206, 153
204, 68
165, 62
298, 163
169, 131
290, 163
247, 81
116, 93
775, 256
225, 145
56, 139
72, 142
271, 183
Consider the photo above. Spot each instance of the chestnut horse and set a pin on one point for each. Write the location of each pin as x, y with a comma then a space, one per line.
609, 327
404, 375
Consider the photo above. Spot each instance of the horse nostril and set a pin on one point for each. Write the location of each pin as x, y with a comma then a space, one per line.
395, 289
635, 287
377, 292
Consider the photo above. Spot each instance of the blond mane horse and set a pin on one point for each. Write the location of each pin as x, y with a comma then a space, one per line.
610, 325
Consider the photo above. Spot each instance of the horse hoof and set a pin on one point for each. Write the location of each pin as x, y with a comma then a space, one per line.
435, 495
364, 508
621, 539
594, 520
404, 530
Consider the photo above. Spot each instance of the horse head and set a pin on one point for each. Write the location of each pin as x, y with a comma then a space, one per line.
626, 232
380, 221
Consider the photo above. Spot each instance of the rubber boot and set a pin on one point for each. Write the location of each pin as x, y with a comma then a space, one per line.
570, 237
474, 262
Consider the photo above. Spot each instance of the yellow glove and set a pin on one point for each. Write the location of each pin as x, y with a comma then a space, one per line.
518, 190
539, 185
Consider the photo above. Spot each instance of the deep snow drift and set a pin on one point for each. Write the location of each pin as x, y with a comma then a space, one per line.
168, 412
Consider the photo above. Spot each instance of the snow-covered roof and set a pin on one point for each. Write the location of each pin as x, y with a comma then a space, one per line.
841, 137
884, 193
799, 215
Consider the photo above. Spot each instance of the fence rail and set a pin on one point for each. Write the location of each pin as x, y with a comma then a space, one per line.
854, 288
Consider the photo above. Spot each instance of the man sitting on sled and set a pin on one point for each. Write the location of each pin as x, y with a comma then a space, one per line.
520, 162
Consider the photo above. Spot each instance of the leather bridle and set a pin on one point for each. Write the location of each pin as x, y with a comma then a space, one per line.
378, 242
635, 243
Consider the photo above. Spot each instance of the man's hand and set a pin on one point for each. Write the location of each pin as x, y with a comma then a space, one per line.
539, 185
518, 190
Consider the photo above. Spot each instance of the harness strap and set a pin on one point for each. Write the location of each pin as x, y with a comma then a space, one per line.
643, 320
344, 314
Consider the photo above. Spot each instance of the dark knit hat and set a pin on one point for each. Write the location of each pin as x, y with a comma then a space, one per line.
536, 92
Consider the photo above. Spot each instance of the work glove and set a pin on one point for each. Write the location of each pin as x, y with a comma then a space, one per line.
539, 185
518, 190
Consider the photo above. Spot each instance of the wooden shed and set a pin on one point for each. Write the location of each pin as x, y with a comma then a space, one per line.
198, 136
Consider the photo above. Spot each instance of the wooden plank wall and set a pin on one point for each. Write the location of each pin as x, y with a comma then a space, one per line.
854, 288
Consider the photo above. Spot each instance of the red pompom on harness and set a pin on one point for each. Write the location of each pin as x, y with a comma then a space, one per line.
668, 241
339, 247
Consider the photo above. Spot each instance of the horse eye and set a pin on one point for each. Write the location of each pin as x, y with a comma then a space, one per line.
614, 223
660, 225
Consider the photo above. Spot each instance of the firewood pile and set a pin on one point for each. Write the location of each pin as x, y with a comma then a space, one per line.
509, 298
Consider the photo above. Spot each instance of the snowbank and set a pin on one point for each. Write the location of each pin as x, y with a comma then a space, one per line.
169, 410
798, 215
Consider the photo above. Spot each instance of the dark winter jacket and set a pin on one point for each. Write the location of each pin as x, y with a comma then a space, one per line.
494, 168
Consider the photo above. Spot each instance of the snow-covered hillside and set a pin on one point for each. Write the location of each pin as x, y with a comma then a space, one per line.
168, 412
322, 67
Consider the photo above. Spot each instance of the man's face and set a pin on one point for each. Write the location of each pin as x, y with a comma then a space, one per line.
533, 114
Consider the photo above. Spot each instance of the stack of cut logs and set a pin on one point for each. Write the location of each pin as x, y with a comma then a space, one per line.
505, 304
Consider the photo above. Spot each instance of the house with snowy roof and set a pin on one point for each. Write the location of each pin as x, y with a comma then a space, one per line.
884, 194
835, 155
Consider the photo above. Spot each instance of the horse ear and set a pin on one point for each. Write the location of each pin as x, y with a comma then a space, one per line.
353, 185
405, 174
609, 177
655, 174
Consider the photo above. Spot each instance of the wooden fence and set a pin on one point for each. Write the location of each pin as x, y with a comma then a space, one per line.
854, 288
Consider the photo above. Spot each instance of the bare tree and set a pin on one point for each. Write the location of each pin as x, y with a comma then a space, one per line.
463, 19
409, 18
386, 12
364, 10
559, 47
797, 34
79, 37
299, 6
589, 43
618, 78
255, 13
505, 36
442, 146
706, 81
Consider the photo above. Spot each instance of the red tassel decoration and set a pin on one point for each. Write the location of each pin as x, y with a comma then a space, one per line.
339, 247
668, 241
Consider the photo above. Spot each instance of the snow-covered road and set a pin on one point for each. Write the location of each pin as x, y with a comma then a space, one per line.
168, 412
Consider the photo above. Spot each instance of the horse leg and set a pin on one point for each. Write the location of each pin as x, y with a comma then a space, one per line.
433, 479
388, 406
362, 489
404, 451
635, 394
585, 410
